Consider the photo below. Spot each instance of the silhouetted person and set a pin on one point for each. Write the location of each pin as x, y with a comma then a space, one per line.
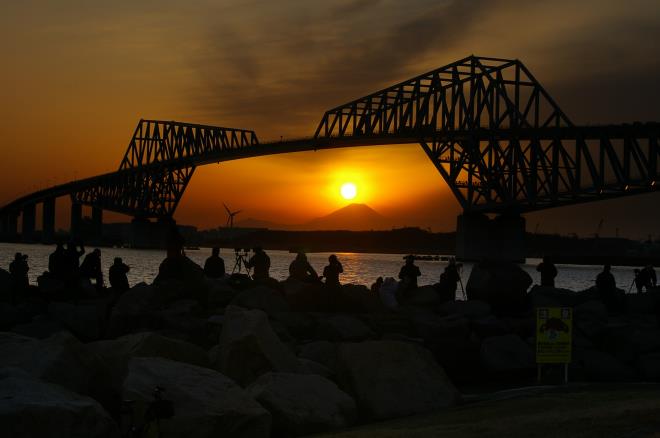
117, 275
174, 242
91, 268
214, 267
645, 278
332, 271
18, 270
548, 272
449, 279
408, 274
605, 281
301, 270
72, 262
260, 262
57, 262
375, 288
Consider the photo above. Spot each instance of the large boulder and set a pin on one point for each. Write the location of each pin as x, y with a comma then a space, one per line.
116, 353
132, 310
206, 403
5, 286
263, 298
181, 278
250, 348
591, 318
391, 379
649, 367
85, 319
503, 285
341, 327
603, 367
323, 352
32, 408
59, 359
41, 327
11, 316
303, 404
220, 293
640, 304
423, 296
508, 353
433, 328
473, 309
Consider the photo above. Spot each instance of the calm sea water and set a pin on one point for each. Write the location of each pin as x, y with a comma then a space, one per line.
359, 268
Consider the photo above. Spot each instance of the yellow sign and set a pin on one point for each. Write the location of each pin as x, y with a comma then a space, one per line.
554, 334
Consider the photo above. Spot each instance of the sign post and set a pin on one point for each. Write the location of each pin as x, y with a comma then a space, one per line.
554, 330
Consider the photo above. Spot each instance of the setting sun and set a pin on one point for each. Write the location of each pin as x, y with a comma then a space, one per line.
348, 191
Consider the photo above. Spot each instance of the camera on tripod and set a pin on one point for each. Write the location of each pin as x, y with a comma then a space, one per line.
242, 260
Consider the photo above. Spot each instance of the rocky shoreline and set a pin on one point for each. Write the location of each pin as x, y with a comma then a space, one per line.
288, 359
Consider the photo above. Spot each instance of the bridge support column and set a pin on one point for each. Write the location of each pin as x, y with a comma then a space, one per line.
76, 220
501, 238
9, 223
97, 222
48, 215
29, 221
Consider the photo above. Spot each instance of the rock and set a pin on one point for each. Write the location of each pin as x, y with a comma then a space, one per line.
342, 328
506, 353
307, 366
131, 311
490, 326
547, 296
183, 316
355, 298
206, 403
85, 319
40, 327
602, 367
299, 324
5, 286
642, 304
263, 298
32, 408
180, 278
323, 352
117, 352
591, 318
11, 316
649, 367
473, 309
220, 293
303, 404
250, 348
423, 296
59, 359
503, 285
432, 327
390, 379
50, 286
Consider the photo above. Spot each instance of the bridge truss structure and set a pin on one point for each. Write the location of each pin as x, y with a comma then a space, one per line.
493, 132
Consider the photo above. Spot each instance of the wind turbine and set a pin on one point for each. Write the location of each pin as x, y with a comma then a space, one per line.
230, 216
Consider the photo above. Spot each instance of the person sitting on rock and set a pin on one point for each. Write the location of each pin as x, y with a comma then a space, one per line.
57, 262
18, 270
332, 271
117, 276
645, 278
214, 267
375, 288
548, 272
91, 268
301, 270
408, 274
260, 262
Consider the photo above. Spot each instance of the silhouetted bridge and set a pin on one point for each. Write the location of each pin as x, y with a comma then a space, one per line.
493, 132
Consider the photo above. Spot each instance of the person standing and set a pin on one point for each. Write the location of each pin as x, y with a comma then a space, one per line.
214, 267
548, 272
261, 264
72, 263
332, 271
449, 279
91, 268
605, 281
409, 273
117, 276
57, 262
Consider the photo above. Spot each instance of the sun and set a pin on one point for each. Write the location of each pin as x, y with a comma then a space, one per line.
348, 191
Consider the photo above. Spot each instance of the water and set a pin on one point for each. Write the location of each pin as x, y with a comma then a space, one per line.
359, 268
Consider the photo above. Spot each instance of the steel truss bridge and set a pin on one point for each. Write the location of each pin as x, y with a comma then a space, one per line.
496, 136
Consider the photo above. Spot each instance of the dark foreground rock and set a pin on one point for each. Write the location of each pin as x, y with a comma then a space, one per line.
206, 403
503, 285
390, 379
249, 348
32, 408
303, 404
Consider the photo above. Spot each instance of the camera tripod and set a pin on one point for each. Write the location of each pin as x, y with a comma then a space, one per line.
241, 261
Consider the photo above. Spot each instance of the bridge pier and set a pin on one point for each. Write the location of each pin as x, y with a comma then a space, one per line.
28, 222
9, 226
48, 216
76, 220
97, 222
147, 234
501, 238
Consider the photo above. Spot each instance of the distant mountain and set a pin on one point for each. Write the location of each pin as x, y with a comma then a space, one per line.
354, 217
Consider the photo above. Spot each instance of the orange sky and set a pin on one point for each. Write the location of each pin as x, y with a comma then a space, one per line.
78, 75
